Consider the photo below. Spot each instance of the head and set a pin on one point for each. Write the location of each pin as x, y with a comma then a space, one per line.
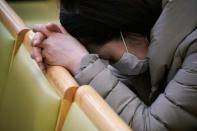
97, 23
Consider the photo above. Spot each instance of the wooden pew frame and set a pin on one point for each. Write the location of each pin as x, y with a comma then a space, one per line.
58, 76
98, 111
14, 24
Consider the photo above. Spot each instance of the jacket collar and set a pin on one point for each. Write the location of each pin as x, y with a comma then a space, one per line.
177, 20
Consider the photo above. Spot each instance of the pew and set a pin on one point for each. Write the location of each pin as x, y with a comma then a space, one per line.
32, 100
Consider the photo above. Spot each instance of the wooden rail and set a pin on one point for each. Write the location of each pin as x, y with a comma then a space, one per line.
99, 112
14, 25
10, 19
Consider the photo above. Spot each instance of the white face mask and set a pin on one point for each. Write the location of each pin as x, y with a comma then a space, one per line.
129, 64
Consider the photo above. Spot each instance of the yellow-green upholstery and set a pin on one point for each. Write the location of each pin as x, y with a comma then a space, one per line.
34, 12
29, 102
6, 45
77, 120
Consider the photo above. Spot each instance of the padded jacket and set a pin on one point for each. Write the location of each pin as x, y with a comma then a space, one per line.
171, 103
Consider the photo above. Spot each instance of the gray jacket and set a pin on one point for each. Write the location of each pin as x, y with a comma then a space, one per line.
170, 84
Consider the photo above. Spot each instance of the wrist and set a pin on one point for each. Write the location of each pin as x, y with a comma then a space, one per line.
74, 68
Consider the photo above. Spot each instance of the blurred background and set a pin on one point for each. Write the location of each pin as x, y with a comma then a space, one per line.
36, 11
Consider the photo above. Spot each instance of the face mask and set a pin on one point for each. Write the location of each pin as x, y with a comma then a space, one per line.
129, 64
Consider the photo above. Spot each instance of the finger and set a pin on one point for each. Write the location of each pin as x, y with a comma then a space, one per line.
37, 27
36, 54
46, 59
63, 30
41, 66
53, 27
56, 28
42, 28
44, 55
46, 62
43, 44
38, 38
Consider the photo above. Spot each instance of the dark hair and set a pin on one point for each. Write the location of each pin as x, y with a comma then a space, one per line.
99, 21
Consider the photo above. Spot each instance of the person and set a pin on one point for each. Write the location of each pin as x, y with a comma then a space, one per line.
171, 80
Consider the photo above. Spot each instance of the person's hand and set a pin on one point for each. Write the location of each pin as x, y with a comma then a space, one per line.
36, 53
58, 48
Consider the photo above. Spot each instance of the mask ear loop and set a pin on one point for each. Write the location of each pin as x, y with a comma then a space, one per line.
124, 41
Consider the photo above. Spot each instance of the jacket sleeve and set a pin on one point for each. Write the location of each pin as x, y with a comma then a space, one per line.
174, 109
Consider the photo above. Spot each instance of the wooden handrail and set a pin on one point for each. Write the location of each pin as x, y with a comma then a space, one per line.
14, 25
10, 19
98, 111
61, 79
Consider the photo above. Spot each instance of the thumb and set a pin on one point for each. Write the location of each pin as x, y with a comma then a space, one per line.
42, 28
63, 30
56, 28
53, 27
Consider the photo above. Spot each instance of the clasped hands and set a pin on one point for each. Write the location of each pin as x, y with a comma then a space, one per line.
53, 45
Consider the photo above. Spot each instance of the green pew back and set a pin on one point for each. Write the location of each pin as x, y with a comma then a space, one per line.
6, 46
89, 112
77, 120
91, 105
29, 102
33, 12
